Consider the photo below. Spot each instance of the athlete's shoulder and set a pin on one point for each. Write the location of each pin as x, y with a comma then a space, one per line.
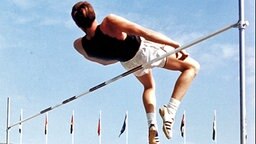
113, 19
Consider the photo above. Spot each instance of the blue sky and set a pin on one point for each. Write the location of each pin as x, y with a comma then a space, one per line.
40, 68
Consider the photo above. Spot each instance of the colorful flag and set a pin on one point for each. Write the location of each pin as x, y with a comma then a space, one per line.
124, 126
46, 124
72, 124
214, 127
99, 127
182, 125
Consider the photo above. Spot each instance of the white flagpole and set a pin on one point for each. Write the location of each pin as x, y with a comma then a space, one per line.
73, 123
127, 128
8, 120
20, 126
215, 120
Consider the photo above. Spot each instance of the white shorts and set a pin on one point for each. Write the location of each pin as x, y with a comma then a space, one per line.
146, 53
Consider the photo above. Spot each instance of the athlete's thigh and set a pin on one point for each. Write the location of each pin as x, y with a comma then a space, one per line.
173, 63
147, 79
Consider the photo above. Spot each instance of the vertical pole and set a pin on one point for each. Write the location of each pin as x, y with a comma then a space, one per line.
20, 126
8, 119
242, 72
46, 128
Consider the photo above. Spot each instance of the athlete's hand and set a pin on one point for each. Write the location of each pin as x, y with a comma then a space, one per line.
182, 55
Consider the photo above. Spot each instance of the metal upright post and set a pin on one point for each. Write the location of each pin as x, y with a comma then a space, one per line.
242, 26
8, 120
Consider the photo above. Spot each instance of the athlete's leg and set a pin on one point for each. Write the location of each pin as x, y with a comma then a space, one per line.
148, 95
188, 68
149, 102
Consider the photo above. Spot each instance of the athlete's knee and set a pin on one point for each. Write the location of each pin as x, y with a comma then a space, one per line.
193, 68
149, 87
196, 67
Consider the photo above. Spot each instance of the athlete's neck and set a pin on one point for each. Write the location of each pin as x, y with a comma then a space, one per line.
91, 31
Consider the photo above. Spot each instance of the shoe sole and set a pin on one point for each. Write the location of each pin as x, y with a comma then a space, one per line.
161, 112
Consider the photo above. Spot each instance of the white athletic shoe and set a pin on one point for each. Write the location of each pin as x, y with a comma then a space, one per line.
153, 135
168, 121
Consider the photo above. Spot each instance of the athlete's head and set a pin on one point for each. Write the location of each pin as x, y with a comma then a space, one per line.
83, 14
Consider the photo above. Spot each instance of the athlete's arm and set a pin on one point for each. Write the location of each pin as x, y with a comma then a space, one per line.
123, 25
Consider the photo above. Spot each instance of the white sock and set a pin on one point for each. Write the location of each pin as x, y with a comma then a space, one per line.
173, 106
151, 117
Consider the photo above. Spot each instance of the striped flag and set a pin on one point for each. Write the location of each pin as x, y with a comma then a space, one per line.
214, 127
72, 124
124, 126
46, 124
182, 125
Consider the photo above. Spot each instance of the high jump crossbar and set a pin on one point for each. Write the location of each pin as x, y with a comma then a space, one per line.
203, 38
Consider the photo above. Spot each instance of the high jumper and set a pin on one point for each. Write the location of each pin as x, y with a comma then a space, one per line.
117, 39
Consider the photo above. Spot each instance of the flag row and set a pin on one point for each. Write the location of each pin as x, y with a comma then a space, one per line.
183, 127
124, 126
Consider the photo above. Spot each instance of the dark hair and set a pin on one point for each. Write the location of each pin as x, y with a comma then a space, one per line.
83, 14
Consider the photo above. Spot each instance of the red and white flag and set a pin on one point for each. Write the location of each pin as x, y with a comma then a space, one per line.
99, 126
